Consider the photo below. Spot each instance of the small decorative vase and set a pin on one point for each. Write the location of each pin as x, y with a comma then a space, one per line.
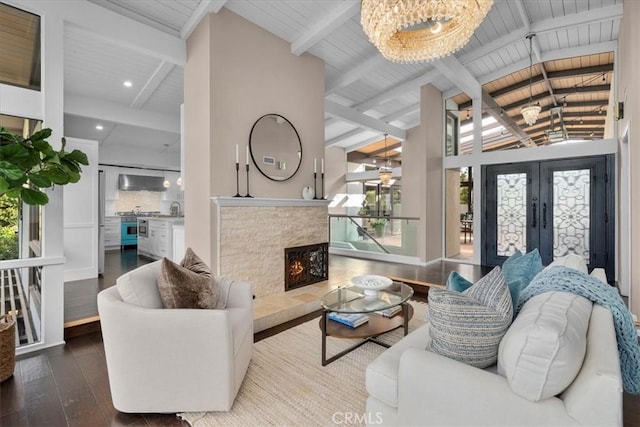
308, 193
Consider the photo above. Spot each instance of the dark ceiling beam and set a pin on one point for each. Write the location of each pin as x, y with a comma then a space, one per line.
596, 69
537, 97
572, 133
517, 86
579, 104
382, 150
543, 124
553, 75
543, 114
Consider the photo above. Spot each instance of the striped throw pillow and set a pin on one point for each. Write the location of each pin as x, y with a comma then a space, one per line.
468, 326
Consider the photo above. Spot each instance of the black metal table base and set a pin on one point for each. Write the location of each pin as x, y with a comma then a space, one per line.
325, 319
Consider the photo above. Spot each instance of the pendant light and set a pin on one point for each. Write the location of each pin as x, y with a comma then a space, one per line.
530, 111
384, 172
166, 183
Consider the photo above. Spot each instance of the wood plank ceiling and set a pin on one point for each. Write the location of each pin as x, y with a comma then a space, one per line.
366, 95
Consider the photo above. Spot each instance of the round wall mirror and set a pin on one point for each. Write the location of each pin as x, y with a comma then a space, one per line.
275, 147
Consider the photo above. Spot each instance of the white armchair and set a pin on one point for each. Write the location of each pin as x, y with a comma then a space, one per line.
174, 360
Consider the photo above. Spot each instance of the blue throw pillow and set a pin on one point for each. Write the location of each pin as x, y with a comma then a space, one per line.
457, 283
519, 270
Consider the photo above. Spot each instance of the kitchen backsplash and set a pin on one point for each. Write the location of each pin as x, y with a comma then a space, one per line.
148, 201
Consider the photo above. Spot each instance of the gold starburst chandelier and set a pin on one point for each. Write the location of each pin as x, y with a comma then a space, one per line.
421, 30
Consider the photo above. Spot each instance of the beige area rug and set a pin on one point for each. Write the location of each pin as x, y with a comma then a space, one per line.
286, 384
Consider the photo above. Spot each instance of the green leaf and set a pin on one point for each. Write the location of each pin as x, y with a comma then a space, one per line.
14, 193
7, 137
43, 146
72, 166
17, 183
13, 152
41, 135
56, 175
33, 197
4, 185
78, 157
72, 176
39, 180
10, 170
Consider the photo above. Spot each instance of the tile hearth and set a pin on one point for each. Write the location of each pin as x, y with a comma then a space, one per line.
272, 310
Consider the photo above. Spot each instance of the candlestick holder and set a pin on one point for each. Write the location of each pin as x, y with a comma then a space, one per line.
322, 186
237, 180
315, 192
248, 195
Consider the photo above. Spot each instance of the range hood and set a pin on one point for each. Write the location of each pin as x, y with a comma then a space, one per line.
140, 182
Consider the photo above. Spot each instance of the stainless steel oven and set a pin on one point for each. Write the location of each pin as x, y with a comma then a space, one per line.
143, 227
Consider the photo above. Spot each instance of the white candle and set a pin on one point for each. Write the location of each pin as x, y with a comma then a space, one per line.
236, 153
247, 154
322, 165
315, 168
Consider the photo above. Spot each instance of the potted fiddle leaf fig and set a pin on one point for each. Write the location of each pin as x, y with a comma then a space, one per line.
28, 165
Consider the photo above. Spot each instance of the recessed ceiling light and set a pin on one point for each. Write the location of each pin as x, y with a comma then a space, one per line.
99, 127
127, 83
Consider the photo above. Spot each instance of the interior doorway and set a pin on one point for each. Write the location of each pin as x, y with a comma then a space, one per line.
459, 213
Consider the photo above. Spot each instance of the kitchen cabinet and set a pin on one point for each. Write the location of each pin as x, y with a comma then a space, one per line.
159, 242
160, 238
112, 232
178, 242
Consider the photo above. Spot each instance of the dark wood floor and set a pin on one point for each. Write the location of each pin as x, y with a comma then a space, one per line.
69, 386
80, 296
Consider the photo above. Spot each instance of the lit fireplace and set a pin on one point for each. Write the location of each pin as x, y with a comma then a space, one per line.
304, 265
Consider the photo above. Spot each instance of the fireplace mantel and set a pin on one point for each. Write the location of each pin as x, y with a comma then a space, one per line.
252, 234
224, 201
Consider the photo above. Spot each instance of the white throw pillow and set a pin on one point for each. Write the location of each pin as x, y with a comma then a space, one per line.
572, 261
140, 286
543, 350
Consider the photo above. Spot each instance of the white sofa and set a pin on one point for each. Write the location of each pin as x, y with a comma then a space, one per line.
173, 360
409, 385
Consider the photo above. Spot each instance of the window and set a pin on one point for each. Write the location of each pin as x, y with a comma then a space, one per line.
19, 48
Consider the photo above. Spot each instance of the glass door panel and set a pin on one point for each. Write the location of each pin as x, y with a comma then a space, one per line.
510, 206
511, 213
571, 213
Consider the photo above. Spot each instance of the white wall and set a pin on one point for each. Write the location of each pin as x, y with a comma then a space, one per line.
628, 91
235, 73
138, 157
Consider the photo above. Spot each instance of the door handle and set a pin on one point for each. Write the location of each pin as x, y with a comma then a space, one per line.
535, 216
544, 215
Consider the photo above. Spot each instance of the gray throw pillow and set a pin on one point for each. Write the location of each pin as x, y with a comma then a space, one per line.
182, 288
468, 326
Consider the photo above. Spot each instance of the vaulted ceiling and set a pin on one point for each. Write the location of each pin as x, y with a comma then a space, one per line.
366, 95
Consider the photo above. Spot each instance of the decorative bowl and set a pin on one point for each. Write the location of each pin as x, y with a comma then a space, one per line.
371, 283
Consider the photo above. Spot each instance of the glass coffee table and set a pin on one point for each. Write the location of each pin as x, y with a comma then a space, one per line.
353, 300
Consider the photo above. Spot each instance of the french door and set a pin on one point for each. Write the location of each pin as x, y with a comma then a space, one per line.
557, 206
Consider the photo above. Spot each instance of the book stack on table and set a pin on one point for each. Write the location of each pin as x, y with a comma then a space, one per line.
390, 312
352, 320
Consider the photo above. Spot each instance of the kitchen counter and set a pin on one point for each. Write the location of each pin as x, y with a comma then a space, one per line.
168, 218
159, 241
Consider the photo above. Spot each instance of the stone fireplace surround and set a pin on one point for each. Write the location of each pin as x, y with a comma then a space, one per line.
252, 234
